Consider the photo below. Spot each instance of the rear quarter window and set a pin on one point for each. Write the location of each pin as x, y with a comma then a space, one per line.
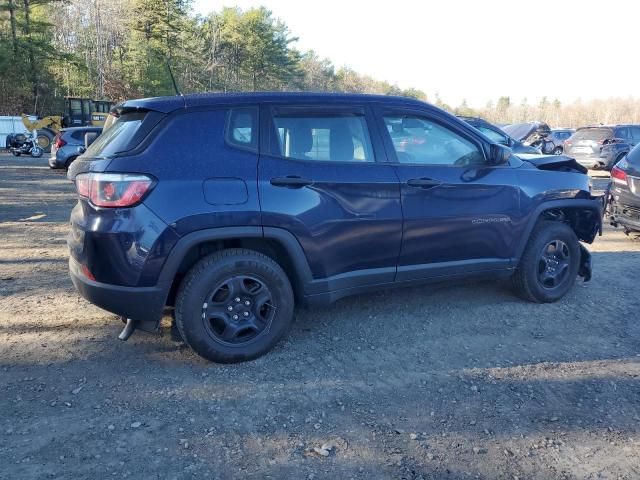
242, 128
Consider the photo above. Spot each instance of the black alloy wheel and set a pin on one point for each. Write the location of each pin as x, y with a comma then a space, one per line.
238, 309
553, 264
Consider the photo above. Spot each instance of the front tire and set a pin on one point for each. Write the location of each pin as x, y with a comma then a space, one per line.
234, 306
550, 263
36, 152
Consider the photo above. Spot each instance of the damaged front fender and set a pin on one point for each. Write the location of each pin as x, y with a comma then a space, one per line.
557, 163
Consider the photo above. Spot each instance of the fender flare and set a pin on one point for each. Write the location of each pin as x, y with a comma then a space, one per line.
283, 237
594, 203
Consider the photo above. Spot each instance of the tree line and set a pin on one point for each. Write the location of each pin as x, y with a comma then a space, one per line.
119, 49
579, 113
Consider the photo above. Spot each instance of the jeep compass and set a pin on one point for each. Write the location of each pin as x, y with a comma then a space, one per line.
231, 209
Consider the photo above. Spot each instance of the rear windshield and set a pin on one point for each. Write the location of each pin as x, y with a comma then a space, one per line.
633, 157
79, 134
118, 137
595, 134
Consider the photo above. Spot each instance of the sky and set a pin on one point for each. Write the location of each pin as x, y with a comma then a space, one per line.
473, 50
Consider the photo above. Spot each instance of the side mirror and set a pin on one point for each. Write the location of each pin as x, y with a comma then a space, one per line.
499, 154
89, 138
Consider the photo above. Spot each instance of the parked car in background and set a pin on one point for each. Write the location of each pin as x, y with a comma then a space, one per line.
68, 144
499, 136
624, 193
614, 150
601, 147
554, 141
323, 197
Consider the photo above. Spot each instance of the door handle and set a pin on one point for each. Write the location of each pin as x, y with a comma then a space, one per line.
291, 181
423, 182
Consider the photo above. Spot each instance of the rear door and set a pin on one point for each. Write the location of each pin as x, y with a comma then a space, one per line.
322, 176
459, 213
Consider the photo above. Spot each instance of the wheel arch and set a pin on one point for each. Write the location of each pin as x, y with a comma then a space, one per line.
70, 159
583, 216
278, 244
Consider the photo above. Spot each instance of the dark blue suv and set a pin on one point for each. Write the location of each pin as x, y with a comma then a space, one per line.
233, 208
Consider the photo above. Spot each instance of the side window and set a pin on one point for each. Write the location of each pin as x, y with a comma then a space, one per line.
422, 141
75, 107
622, 133
242, 130
635, 134
493, 135
324, 137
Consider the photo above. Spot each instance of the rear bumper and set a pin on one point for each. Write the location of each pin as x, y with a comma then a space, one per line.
626, 217
144, 304
623, 208
594, 162
58, 159
55, 163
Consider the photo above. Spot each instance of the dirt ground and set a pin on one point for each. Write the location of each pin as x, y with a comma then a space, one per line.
448, 382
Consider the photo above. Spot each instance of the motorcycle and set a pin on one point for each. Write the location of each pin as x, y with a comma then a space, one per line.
23, 145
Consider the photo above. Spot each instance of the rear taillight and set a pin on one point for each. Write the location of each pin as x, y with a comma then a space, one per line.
58, 141
618, 176
87, 273
113, 189
567, 143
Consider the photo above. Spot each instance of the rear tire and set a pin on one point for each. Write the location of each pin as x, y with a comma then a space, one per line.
549, 264
234, 306
557, 151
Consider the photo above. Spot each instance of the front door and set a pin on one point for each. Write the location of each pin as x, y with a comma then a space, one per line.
321, 177
459, 212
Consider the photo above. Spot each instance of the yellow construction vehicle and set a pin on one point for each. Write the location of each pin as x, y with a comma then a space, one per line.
78, 112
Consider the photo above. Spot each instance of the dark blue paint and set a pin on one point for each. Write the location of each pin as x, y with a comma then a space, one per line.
349, 219
123, 246
225, 191
469, 216
353, 225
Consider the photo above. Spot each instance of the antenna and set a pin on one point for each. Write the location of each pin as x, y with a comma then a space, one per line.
173, 80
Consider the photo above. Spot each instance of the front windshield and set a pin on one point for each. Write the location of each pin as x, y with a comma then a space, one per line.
117, 137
